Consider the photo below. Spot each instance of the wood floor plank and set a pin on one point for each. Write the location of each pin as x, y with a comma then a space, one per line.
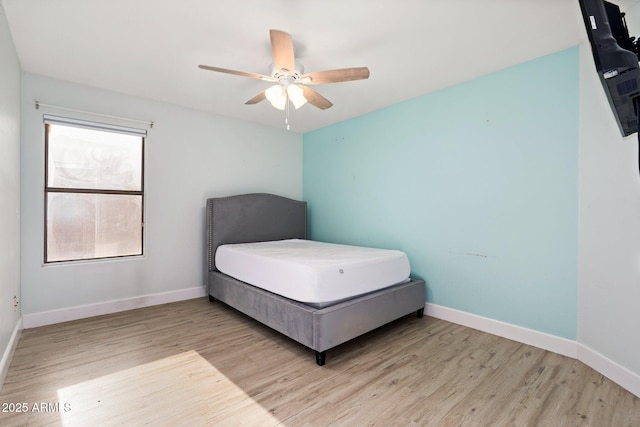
195, 363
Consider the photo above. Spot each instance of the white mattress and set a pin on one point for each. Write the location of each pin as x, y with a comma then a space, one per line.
313, 272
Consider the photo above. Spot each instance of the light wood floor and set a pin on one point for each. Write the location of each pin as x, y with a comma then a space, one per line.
194, 363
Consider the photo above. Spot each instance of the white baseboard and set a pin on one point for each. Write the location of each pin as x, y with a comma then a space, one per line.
80, 312
8, 352
610, 369
538, 339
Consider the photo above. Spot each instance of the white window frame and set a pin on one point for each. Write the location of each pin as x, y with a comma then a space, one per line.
65, 121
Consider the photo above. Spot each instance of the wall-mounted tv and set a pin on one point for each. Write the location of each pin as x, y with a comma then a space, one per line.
616, 58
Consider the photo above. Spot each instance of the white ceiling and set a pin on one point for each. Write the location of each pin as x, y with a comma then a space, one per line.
152, 48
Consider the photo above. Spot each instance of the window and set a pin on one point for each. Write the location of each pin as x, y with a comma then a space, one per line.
93, 190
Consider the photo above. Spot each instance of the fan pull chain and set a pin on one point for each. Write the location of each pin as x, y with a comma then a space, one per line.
286, 109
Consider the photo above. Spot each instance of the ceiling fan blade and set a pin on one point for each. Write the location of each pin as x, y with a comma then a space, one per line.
258, 98
236, 73
282, 48
315, 99
336, 76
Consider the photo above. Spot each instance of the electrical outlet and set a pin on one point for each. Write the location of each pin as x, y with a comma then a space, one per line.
15, 303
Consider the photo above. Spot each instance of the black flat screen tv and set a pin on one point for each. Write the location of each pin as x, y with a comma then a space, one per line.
616, 57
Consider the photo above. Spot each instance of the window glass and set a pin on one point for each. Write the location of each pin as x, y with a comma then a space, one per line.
87, 158
93, 193
85, 226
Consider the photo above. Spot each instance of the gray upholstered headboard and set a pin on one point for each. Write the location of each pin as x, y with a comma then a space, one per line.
253, 218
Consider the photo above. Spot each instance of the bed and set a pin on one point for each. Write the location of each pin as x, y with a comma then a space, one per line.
255, 218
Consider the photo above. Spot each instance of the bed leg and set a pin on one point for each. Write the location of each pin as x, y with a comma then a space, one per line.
321, 357
420, 313
211, 299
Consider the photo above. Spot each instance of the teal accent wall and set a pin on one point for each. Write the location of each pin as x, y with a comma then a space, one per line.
477, 183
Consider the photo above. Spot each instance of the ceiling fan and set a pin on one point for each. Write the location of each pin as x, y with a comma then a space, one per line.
289, 78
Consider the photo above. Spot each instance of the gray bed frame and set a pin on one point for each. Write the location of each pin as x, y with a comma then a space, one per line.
264, 217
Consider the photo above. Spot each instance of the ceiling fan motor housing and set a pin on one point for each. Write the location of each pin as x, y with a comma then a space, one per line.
286, 77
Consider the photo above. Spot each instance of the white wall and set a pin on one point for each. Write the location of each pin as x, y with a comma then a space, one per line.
9, 193
190, 156
609, 230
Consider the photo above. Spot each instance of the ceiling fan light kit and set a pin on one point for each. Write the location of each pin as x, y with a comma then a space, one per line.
276, 96
296, 95
289, 78
286, 89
